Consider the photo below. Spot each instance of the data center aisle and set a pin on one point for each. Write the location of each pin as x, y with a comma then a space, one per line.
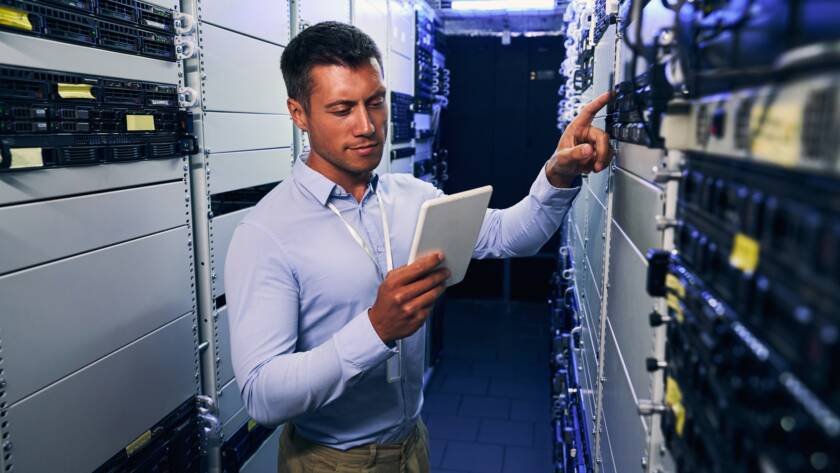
487, 405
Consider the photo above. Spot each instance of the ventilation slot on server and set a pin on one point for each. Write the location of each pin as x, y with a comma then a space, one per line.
742, 125
402, 117
243, 444
124, 10
71, 27
154, 99
162, 150
158, 46
172, 445
156, 18
228, 202
71, 156
82, 5
22, 89
123, 97
126, 153
820, 140
118, 37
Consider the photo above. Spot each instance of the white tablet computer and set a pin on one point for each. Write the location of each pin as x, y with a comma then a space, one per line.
451, 224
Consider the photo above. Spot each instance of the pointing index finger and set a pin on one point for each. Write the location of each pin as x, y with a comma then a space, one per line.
588, 112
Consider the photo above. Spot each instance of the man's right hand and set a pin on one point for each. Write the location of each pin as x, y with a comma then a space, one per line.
406, 296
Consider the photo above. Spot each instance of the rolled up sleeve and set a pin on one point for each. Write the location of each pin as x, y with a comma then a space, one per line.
522, 229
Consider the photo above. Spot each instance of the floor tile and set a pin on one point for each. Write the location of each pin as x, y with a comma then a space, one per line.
518, 390
436, 449
506, 432
494, 369
489, 407
447, 427
473, 457
465, 385
534, 410
436, 402
519, 460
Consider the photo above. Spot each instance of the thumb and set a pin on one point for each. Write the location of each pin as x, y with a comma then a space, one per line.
576, 153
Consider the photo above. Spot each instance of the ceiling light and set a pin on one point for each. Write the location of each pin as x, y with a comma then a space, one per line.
485, 5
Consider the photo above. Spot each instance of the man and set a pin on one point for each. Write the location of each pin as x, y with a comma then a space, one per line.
315, 309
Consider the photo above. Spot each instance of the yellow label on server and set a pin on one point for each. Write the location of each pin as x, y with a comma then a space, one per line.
745, 253
14, 18
26, 158
775, 131
141, 442
676, 307
140, 123
252, 424
673, 399
75, 91
674, 284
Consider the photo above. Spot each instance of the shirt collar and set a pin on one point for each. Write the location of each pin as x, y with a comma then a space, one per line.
318, 185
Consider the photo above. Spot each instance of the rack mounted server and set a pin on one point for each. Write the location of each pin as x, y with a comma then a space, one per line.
126, 26
51, 118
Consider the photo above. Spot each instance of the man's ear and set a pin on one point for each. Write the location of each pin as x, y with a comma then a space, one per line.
298, 114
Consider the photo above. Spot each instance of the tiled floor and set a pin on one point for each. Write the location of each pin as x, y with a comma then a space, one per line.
487, 403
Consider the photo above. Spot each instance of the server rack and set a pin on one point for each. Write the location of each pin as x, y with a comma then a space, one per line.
244, 134
725, 168
619, 214
401, 147
100, 371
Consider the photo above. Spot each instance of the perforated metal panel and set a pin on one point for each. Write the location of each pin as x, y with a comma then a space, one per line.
223, 228
29, 231
79, 309
225, 365
263, 19
27, 51
637, 203
225, 132
230, 402
242, 74
316, 11
79, 422
26, 186
400, 74
249, 168
265, 459
402, 28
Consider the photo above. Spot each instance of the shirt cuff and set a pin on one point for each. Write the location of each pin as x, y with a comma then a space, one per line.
551, 196
360, 345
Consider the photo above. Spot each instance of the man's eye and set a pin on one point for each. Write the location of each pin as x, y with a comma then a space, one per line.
376, 103
342, 113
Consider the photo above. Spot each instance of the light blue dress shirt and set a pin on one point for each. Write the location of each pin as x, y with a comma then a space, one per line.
298, 290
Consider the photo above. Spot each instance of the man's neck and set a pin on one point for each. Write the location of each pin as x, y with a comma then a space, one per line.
355, 184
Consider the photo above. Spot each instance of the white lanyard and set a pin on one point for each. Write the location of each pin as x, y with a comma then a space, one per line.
394, 367
389, 258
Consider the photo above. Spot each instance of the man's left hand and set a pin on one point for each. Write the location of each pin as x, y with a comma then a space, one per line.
582, 148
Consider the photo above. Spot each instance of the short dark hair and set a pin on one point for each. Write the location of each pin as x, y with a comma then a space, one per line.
327, 43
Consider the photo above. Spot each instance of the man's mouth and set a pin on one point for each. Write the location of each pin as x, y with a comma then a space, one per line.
364, 147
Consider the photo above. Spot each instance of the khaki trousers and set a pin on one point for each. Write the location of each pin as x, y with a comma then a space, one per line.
299, 455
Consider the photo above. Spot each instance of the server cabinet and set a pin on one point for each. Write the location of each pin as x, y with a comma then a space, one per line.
99, 329
245, 139
619, 214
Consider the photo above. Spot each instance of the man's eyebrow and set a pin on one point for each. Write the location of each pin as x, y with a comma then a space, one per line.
346, 103
378, 94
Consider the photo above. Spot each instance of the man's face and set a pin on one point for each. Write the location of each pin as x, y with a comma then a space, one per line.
347, 116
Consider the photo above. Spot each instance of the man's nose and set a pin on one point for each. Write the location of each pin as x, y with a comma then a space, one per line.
363, 124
